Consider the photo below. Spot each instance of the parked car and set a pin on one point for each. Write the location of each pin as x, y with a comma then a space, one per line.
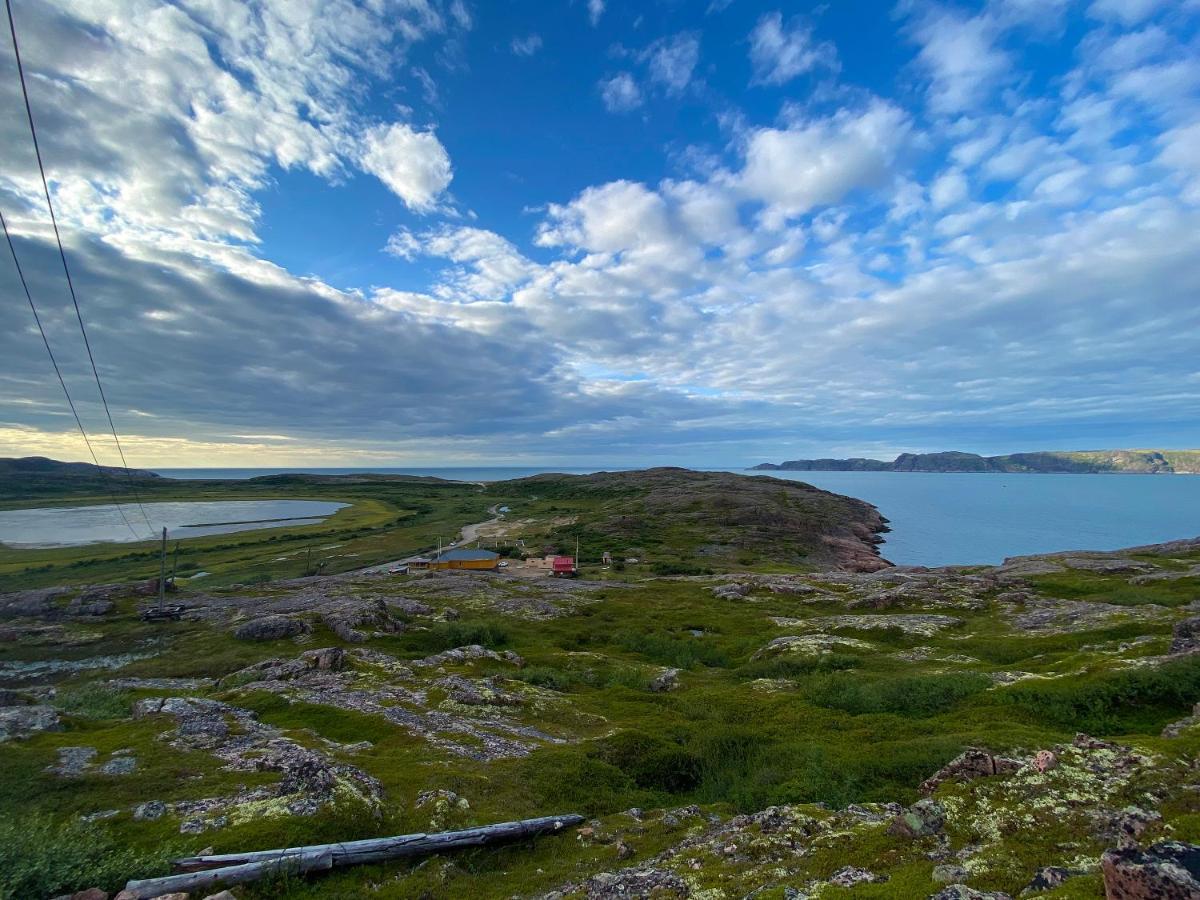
503, 564
398, 570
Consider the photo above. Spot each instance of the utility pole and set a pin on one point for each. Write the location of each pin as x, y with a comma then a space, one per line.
162, 572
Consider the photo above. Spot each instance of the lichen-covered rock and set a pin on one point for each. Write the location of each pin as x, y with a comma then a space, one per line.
849, 876
972, 763
1185, 636
1166, 871
731, 591
635, 884
962, 892
667, 680
1047, 878
270, 628
150, 810
950, 873
22, 721
73, 761
922, 819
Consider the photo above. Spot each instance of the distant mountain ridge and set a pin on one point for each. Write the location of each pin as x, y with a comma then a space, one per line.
1075, 462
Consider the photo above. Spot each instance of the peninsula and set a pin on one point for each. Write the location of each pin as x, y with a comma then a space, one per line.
1075, 462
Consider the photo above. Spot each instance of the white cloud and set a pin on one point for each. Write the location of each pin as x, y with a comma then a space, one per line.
671, 61
779, 55
1126, 12
948, 189
413, 164
528, 45
820, 161
620, 93
595, 9
960, 55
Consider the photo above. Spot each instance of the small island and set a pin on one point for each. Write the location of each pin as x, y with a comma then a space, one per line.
1068, 462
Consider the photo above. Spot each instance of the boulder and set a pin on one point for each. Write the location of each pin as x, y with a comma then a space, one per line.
150, 810
329, 659
270, 628
666, 681
972, 763
962, 892
1166, 871
731, 591
922, 819
22, 721
90, 894
1047, 878
1185, 637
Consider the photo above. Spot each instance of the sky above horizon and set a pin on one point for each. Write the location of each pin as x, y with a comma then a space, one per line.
419, 232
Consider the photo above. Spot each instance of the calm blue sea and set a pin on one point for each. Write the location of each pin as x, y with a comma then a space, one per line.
942, 519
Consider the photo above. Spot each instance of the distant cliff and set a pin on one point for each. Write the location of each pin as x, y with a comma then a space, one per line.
1079, 462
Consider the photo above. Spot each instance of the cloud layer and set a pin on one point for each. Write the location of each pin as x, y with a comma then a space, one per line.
994, 258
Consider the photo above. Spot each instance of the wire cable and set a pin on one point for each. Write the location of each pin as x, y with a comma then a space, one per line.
57, 371
12, 28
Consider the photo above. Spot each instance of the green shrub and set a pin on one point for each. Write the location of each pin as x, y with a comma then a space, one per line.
679, 653
915, 695
448, 635
797, 666
41, 858
94, 701
1113, 702
652, 763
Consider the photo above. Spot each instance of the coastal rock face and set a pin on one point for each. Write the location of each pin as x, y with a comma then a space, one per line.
1150, 462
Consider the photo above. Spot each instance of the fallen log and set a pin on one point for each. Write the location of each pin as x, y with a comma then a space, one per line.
290, 864
235, 868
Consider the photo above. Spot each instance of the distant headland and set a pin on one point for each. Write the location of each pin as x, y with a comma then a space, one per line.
1076, 462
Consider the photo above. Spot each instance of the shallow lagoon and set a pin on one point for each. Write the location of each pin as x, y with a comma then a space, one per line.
69, 526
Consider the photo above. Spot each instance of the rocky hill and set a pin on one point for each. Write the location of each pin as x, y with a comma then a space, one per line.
709, 519
1151, 462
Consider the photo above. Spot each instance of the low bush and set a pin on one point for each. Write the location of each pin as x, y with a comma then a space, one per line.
448, 635
1113, 702
915, 696
43, 858
798, 666
94, 701
679, 653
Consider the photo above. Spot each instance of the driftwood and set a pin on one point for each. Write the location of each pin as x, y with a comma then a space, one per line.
234, 868
289, 864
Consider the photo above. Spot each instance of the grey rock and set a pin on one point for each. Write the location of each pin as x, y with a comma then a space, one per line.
962, 892
150, 810
73, 761
1185, 637
949, 874
668, 680
849, 876
119, 765
270, 628
22, 721
922, 819
1169, 870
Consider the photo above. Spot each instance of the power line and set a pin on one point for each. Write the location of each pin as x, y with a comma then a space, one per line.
57, 371
12, 28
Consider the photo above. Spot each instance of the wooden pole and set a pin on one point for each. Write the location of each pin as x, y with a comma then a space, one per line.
162, 571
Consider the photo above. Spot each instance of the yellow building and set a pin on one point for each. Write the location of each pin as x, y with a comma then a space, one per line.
466, 559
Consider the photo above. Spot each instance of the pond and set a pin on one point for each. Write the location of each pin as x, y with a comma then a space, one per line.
71, 526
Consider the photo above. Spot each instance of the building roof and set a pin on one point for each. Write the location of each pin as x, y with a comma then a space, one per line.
463, 554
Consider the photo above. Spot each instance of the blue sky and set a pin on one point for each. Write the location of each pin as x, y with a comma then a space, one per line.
413, 232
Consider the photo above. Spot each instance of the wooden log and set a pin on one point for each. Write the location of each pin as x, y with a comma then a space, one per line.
292, 864
348, 853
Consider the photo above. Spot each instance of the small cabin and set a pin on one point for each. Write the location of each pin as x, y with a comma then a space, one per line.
563, 565
464, 558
